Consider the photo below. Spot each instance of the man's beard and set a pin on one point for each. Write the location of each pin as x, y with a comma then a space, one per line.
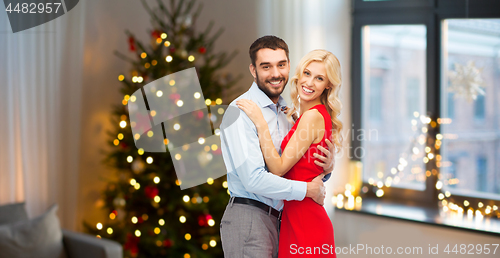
267, 91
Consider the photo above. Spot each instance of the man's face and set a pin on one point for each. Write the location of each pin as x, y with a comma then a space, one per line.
271, 71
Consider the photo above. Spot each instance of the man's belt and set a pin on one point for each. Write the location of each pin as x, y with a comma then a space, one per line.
257, 204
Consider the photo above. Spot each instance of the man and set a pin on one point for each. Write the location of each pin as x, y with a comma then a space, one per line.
249, 227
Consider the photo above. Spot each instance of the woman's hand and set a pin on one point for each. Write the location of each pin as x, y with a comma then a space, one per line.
252, 110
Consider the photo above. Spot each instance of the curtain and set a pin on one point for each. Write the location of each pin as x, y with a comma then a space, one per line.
40, 110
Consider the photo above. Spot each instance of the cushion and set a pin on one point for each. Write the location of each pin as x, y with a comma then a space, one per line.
12, 213
40, 237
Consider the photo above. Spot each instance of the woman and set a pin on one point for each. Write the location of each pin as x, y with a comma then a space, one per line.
305, 226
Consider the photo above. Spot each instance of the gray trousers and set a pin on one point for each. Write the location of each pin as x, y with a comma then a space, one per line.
247, 231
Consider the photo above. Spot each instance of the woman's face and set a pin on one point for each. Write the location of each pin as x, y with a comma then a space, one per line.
312, 82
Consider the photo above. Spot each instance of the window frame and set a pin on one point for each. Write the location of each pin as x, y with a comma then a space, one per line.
430, 13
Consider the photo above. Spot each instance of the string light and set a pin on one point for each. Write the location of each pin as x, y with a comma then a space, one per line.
156, 180
99, 226
169, 58
197, 95
182, 219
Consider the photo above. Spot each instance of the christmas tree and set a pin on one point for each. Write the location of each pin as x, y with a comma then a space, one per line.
148, 212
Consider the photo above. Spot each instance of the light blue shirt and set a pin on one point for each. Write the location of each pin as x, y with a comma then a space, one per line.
247, 174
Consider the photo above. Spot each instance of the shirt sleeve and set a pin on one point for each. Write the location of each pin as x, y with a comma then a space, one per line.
241, 141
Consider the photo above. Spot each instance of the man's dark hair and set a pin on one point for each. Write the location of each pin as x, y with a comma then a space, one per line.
271, 42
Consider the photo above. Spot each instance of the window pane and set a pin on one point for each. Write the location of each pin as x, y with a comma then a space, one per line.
471, 100
393, 97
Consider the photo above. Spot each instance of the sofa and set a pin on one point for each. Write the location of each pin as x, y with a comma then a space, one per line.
42, 237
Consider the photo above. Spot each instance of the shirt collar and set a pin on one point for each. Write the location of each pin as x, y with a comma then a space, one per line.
262, 99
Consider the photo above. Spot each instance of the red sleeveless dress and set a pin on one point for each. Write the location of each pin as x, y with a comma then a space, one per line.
306, 229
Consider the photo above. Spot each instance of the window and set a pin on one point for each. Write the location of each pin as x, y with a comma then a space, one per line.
438, 66
395, 61
470, 52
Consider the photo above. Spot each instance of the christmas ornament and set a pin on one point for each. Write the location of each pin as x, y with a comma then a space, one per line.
202, 50
156, 34
131, 42
151, 191
466, 81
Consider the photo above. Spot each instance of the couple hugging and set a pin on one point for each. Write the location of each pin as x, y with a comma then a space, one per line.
277, 162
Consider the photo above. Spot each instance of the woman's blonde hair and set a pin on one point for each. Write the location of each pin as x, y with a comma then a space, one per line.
330, 96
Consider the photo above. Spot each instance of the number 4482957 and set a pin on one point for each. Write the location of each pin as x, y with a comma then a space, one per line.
33, 8
471, 249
